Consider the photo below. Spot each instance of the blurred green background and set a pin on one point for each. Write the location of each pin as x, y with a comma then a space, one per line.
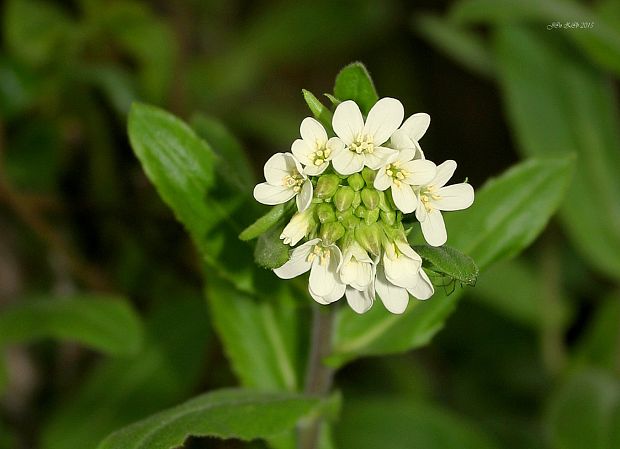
531, 357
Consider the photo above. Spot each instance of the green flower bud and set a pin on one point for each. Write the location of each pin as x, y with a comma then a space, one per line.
369, 237
361, 212
351, 222
370, 198
357, 200
369, 176
388, 217
344, 198
325, 213
356, 181
384, 204
331, 232
372, 216
326, 186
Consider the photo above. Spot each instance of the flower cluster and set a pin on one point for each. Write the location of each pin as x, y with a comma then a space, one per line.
352, 191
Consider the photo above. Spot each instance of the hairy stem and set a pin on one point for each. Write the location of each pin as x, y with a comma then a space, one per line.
318, 376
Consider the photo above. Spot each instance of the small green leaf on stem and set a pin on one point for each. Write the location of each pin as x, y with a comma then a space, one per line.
270, 252
354, 83
267, 221
320, 112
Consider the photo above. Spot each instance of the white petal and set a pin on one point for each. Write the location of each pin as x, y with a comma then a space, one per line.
404, 198
324, 274
394, 298
314, 170
434, 228
382, 180
298, 263
421, 213
334, 295
379, 157
269, 194
297, 228
444, 173
416, 125
348, 162
313, 132
403, 247
304, 199
455, 197
401, 271
383, 119
420, 172
348, 122
401, 141
423, 289
359, 301
279, 166
302, 151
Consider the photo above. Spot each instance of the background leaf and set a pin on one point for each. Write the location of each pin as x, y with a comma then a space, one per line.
105, 323
119, 391
237, 414
507, 215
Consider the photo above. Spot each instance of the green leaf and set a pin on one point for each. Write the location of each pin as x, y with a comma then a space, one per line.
120, 391
457, 42
557, 104
18, 87
236, 165
260, 335
105, 323
397, 423
354, 83
507, 215
600, 42
449, 261
270, 251
267, 221
585, 412
320, 112
239, 414
182, 168
34, 30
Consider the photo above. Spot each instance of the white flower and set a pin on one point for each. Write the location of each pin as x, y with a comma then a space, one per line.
361, 300
362, 141
414, 128
356, 269
434, 198
400, 261
400, 174
314, 149
297, 228
284, 181
323, 262
396, 298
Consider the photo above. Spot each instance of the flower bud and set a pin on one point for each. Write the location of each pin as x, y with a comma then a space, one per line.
369, 237
384, 204
325, 213
357, 200
371, 216
369, 176
331, 232
388, 217
370, 198
361, 212
326, 186
356, 181
344, 198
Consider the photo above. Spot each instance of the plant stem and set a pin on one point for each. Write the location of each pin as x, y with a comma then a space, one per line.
318, 376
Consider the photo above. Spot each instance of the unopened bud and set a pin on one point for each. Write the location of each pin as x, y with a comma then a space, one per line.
325, 213
331, 232
357, 200
384, 204
369, 176
356, 181
370, 198
369, 237
372, 216
344, 198
388, 217
361, 212
326, 186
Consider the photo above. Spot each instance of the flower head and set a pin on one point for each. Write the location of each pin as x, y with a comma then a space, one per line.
353, 192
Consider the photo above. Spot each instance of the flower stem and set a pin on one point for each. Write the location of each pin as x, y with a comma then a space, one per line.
318, 376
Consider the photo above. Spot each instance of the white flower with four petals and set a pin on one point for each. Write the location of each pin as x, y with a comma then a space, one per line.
285, 180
